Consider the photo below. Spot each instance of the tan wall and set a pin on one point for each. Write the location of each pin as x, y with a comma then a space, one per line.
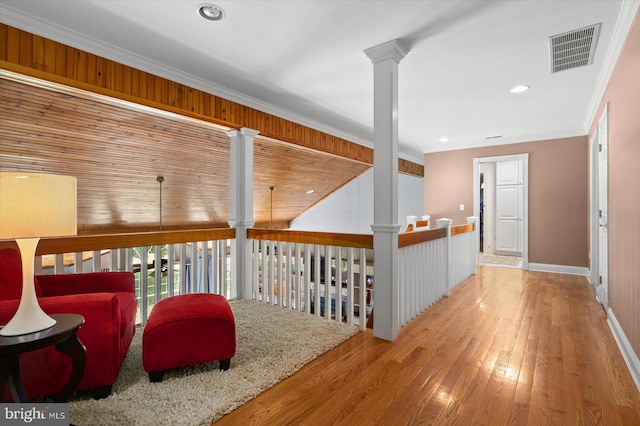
623, 97
558, 194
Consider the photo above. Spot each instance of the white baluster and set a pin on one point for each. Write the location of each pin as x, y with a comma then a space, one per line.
317, 256
350, 301
171, 270
78, 262
183, 268
298, 286
327, 281
282, 286
113, 260
97, 261
157, 275
362, 283
307, 278
144, 282
338, 287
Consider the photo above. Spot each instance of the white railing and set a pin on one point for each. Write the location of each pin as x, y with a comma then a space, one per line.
303, 270
423, 274
463, 254
164, 263
292, 269
432, 263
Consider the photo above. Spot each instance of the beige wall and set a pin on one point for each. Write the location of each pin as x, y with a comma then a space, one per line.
623, 97
558, 194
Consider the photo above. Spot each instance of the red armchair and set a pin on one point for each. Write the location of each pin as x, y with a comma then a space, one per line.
108, 304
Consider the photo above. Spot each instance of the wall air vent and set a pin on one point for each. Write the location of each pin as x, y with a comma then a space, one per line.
573, 49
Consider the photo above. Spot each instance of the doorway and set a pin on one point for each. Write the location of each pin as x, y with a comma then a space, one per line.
500, 191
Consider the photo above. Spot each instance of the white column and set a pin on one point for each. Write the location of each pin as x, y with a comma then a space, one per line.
385, 58
241, 209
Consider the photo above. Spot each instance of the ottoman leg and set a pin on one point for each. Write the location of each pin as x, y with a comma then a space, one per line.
225, 363
101, 392
156, 376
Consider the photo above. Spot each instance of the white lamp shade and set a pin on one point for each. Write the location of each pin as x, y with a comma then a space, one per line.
34, 205
37, 205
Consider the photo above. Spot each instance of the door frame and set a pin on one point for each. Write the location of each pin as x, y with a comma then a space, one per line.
593, 209
524, 163
599, 136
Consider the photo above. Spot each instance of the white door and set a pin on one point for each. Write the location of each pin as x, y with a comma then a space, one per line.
508, 172
602, 289
508, 220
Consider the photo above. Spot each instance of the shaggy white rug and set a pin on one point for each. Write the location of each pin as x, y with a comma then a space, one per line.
271, 344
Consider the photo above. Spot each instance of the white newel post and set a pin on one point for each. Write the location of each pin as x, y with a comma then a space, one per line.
476, 230
241, 210
446, 223
385, 58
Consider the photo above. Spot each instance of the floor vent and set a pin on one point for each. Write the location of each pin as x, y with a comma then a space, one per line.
573, 49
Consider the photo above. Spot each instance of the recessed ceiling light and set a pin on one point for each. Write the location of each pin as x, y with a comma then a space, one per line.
445, 139
309, 192
520, 89
211, 12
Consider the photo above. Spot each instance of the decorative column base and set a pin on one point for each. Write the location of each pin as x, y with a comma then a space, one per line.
386, 281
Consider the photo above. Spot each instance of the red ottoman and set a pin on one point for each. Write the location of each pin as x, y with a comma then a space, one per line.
187, 330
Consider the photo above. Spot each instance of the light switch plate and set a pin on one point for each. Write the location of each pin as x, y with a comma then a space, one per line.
461, 207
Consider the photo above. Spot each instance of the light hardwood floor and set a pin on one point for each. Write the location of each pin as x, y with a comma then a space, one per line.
506, 347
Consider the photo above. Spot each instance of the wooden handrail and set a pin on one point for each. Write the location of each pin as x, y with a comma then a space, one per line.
461, 229
101, 242
417, 237
112, 241
322, 238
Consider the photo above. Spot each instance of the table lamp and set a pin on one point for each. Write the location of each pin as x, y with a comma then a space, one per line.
34, 205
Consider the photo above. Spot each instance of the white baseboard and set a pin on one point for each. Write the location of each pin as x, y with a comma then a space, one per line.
560, 269
629, 355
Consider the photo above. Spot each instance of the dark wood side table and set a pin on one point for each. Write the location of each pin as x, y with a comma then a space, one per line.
63, 335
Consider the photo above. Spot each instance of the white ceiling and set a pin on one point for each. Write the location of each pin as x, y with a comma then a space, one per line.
304, 60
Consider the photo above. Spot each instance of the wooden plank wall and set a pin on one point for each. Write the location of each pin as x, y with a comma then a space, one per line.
36, 56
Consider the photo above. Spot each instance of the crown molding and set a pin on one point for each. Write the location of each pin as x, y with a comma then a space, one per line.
626, 16
504, 141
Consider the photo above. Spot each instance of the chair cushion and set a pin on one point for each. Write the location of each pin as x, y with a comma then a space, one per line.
11, 275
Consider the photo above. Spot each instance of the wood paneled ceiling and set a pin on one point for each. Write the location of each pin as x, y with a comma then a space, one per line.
117, 153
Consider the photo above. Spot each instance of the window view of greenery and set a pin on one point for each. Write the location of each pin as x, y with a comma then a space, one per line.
138, 258
144, 262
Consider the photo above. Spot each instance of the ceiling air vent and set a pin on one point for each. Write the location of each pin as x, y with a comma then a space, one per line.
573, 49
